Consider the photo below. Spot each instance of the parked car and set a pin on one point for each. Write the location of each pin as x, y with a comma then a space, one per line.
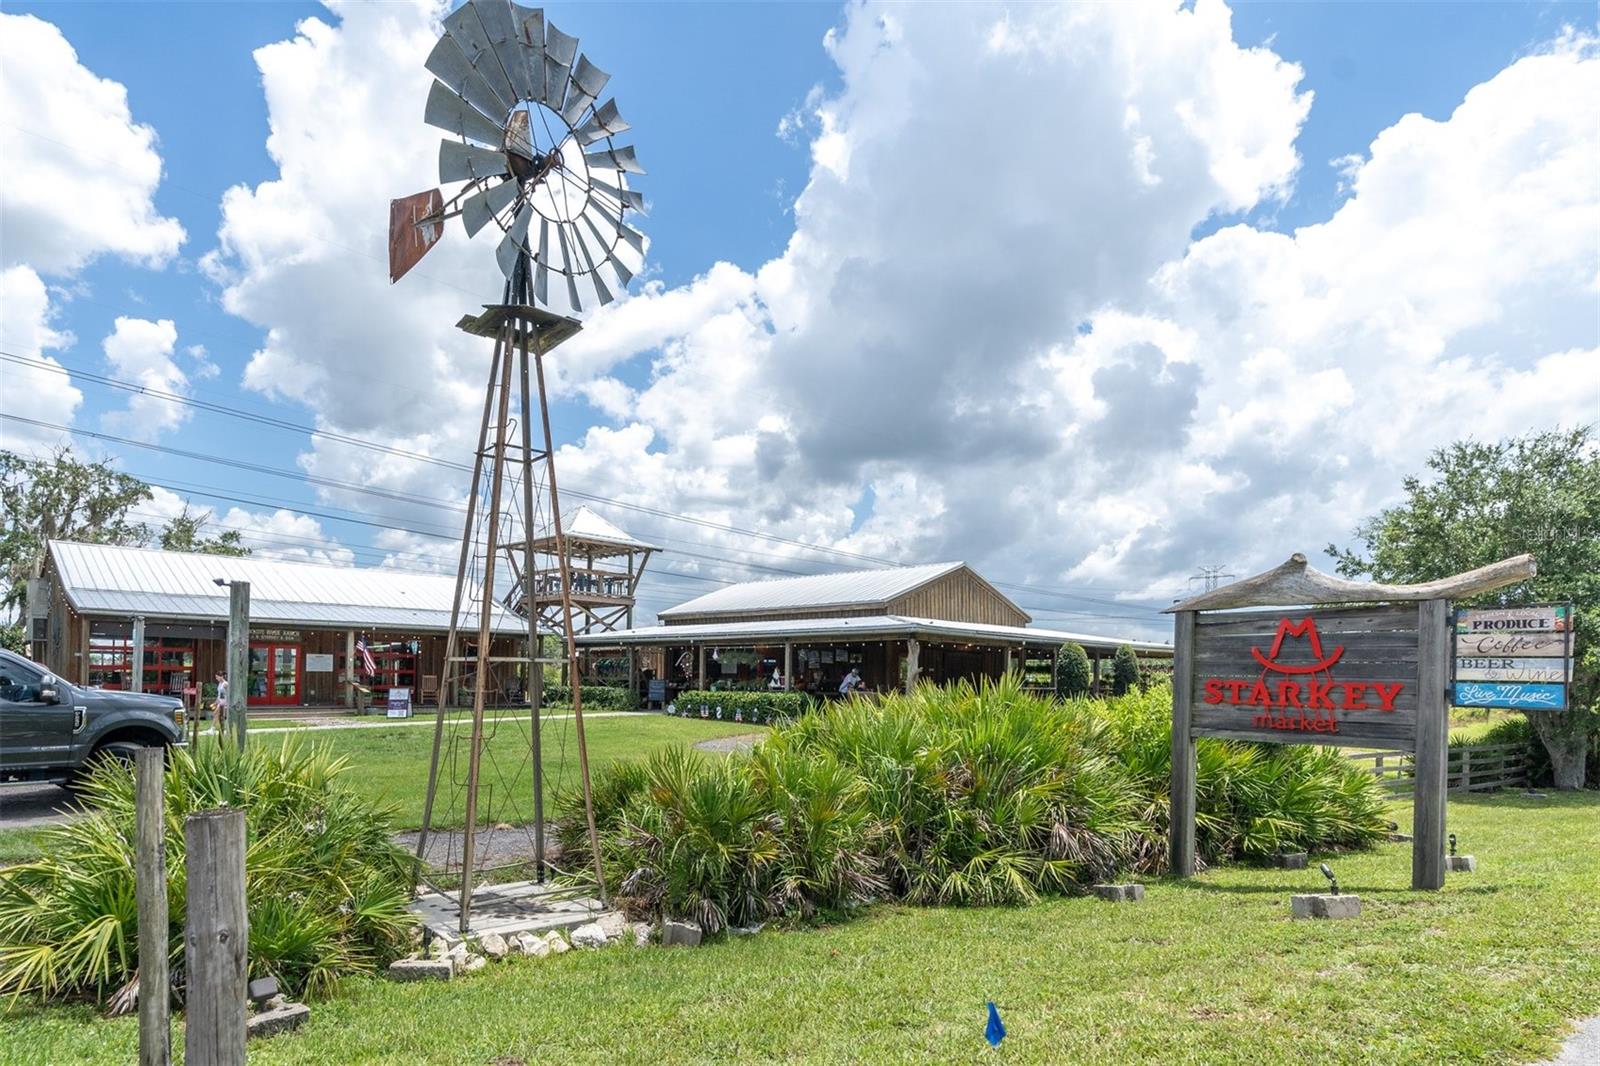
51, 730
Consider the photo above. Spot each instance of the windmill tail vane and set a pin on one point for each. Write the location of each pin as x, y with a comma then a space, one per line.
538, 153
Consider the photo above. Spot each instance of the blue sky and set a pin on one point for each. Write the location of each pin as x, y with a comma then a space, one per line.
706, 87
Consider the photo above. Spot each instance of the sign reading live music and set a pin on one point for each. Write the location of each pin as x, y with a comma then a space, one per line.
1308, 675
1518, 657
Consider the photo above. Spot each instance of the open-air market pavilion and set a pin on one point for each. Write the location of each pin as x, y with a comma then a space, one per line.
894, 627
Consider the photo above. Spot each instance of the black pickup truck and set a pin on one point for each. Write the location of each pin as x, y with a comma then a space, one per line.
50, 730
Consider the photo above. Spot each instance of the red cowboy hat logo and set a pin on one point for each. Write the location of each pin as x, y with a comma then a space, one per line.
1306, 627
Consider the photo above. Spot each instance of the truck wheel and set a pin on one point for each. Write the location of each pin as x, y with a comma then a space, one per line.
124, 751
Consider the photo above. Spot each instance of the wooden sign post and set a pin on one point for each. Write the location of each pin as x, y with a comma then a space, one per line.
1313, 672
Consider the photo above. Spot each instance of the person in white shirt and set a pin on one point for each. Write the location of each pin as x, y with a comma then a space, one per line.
777, 680
851, 682
219, 709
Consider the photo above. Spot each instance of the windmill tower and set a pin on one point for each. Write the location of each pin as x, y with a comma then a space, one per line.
535, 153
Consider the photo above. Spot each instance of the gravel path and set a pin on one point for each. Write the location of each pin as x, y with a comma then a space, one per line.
499, 846
723, 745
1582, 1047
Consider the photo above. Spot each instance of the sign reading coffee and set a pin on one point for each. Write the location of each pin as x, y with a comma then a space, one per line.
1518, 657
1328, 676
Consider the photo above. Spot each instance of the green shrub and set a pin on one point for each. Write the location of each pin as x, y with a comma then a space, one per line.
326, 888
1074, 675
595, 697
1124, 670
759, 707
955, 795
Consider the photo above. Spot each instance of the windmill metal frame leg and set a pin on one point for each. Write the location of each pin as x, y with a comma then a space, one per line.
518, 337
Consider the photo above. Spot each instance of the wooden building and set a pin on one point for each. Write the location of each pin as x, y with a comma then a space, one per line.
893, 627
305, 619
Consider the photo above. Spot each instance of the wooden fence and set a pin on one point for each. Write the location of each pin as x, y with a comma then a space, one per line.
1474, 768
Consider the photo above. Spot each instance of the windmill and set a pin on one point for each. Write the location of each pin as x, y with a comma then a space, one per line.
531, 149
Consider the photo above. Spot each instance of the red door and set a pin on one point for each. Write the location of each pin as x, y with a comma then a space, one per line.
275, 675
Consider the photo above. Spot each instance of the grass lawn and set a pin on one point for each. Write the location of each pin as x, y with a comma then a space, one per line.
1486, 971
17, 845
392, 763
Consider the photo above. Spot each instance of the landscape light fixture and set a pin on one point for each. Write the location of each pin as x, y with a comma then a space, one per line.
1332, 880
1452, 845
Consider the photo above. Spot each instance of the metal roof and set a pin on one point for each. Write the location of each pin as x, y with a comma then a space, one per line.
585, 524
859, 588
107, 579
878, 626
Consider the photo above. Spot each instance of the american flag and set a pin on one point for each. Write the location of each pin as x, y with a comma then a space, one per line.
368, 666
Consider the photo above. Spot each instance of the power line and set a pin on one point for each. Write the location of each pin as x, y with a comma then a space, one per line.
54, 367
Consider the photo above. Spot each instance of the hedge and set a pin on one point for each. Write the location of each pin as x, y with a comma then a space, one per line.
758, 707
595, 697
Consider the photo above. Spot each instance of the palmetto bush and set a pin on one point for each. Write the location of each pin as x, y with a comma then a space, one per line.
959, 796
326, 890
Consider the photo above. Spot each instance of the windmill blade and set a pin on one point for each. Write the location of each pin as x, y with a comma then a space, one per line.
625, 197
558, 52
614, 159
594, 277
568, 263
634, 238
447, 63
501, 30
587, 82
451, 113
624, 275
605, 122
515, 241
468, 162
476, 211
466, 28
529, 24
541, 272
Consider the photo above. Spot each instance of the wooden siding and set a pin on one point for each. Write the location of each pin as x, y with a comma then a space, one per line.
960, 596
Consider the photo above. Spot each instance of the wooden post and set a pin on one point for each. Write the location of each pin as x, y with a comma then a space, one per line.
913, 652
150, 891
701, 652
239, 657
788, 665
350, 668
1465, 784
215, 939
136, 665
1433, 744
1181, 814
1008, 658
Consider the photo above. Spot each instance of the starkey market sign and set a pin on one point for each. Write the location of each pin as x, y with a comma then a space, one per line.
1308, 676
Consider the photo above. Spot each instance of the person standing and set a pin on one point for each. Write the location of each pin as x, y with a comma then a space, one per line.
219, 709
851, 682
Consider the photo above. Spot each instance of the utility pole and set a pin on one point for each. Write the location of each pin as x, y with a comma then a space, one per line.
1210, 577
238, 655
136, 665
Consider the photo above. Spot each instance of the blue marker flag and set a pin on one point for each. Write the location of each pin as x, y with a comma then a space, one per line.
995, 1031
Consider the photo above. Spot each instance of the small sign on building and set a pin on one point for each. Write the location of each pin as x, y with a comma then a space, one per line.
319, 664
1519, 658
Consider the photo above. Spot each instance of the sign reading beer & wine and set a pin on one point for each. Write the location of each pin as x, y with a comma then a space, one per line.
1302, 676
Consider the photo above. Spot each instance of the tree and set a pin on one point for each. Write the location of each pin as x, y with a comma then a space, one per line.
59, 498
1124, 670
182, 534
1073, 674
1538, 493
